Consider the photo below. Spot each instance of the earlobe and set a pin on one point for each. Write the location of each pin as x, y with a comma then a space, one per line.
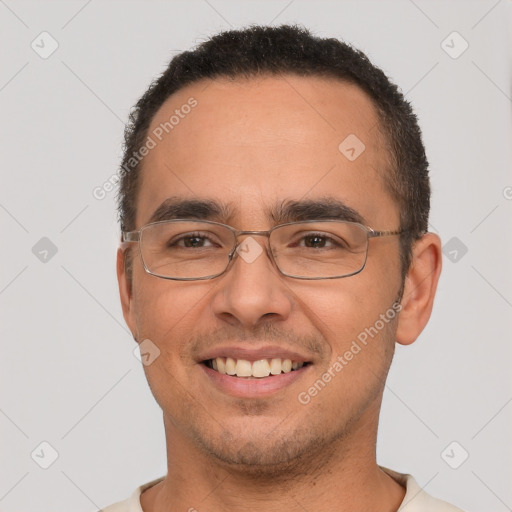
125, 290
420, 288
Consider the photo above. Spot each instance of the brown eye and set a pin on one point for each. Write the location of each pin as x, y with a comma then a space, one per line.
191, 241
320, 241
314, 241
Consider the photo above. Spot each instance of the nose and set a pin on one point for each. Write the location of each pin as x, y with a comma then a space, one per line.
252, 290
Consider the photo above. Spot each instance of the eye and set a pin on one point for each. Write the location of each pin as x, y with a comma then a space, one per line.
191, 241
316, 241
320, 241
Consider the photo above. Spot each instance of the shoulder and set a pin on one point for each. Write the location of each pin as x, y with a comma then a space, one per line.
416, 499
131, 504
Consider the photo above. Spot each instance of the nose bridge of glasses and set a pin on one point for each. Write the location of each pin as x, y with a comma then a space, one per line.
257, 233
242, 237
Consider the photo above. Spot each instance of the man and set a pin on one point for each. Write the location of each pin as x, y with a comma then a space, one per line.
274, 200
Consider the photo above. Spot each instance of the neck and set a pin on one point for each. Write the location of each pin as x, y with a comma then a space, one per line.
342, 476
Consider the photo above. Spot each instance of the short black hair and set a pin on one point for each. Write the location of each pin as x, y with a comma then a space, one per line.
292, 50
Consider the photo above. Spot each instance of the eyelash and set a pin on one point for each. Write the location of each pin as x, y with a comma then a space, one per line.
181, 238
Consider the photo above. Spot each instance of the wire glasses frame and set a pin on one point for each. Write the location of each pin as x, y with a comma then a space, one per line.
352, 228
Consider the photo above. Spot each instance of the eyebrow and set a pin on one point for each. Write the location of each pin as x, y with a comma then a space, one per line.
179, 208
287, 211
314, 209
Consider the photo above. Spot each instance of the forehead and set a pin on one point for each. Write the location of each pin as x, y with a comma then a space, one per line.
252, 143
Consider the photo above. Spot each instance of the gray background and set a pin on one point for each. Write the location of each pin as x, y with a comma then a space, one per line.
68, 374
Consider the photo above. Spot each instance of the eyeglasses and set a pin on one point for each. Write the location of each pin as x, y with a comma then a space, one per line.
186, 250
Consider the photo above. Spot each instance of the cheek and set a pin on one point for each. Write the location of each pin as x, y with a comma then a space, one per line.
164, 306
167, 315
342, 308
348, 314
361, 343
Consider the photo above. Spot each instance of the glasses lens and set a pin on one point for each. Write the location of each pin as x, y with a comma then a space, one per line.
320, 249
199, 250
186, 250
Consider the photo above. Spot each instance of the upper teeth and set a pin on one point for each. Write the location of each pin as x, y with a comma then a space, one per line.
260, 368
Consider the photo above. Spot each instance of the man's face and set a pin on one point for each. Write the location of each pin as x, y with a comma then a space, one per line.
252, 146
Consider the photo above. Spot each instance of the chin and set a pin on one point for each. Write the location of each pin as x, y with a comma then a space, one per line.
267, 454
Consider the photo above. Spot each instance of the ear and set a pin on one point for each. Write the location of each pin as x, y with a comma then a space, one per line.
126, 291
419, 288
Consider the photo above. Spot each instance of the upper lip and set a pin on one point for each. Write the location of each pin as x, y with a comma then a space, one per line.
253, 353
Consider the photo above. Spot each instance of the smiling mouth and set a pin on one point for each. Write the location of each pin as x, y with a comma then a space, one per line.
259, 369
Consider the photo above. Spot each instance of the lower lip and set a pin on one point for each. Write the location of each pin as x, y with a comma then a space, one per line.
253, 387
